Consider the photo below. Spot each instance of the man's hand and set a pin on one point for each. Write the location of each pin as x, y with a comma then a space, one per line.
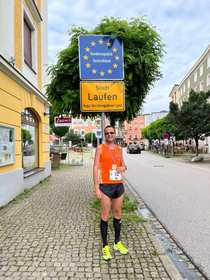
120, 169
98, 193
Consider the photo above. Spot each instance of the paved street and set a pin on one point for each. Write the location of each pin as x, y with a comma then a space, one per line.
178, 192
54, 234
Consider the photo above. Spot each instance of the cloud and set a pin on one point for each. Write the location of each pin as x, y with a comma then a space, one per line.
183, 26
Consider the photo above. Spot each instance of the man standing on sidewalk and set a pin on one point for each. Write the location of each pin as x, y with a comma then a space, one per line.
111, 188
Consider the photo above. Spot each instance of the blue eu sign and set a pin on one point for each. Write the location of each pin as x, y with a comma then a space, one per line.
100, 57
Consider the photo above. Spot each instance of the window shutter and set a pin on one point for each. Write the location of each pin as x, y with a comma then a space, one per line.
27, 43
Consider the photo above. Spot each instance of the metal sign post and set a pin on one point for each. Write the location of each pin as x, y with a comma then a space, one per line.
165, 136
103, 127
172, 143
91, 143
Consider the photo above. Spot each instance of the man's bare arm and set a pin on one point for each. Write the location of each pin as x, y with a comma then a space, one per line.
95, 171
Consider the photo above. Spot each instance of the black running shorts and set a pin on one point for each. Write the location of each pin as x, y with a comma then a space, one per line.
112, 190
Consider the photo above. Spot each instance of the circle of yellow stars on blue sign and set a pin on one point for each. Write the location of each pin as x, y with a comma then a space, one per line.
112, 61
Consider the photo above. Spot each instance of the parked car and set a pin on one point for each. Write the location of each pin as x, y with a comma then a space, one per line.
131, 149
141, 145
28, 150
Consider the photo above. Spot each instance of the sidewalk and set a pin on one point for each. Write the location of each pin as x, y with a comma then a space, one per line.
55, 234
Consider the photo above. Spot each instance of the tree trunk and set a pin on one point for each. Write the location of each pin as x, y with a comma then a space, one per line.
60, 145
196, 141
112, 121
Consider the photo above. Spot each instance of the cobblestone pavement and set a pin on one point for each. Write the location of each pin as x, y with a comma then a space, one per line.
54, 234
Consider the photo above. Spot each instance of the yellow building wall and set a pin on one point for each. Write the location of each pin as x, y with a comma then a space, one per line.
13, 99
39, 49
39, 55
18, 34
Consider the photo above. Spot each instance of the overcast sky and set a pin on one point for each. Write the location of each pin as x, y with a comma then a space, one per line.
184, 27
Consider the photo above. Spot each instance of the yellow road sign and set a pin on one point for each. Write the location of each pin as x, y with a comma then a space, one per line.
102, 96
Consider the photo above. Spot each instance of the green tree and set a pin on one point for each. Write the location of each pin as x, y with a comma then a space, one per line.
60, 131
26, 136
143, 52
144, 134
168, 125
71, 136
152, 131
88, 137
194, 116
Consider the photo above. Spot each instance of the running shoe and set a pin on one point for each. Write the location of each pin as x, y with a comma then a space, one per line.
120, 248
106, 254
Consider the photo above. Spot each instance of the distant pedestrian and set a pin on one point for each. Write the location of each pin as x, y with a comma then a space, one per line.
109, 188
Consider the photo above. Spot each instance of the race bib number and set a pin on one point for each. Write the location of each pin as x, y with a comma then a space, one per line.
114, 175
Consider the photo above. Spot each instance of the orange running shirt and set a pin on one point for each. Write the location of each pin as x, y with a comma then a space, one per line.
106, 164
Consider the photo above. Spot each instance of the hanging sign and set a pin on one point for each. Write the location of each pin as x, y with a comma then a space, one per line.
66, 121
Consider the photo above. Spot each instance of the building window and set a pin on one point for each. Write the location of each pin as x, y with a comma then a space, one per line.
135, 121
130, 127
81, 122
141, 126
142, 121
130, 136
196, 89
184, 88
201, 86
195, 77
86, 123
201, 70
188, 84
27, 44
29, 140
83, 132
208, 80
136, 136
76, 132
208, 62
75, 122
136, 127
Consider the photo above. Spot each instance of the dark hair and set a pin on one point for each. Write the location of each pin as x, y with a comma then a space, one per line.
109, 126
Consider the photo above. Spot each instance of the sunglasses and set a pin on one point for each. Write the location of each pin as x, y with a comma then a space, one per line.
107, 133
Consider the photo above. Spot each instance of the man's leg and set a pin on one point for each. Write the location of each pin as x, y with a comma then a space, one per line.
117, 206
105, 210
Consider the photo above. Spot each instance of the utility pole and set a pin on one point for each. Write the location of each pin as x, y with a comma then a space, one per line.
103, 127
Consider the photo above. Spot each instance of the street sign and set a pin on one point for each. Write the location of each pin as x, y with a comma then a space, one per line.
165, 135
98, 133
102, 96
166, 141
66, 121
100, 57
98, 122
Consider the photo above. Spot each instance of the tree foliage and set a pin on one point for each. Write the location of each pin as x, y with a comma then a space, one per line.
156, 129
71, 136
143, 52
60, 131
88, 137
194, 116
26, 136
